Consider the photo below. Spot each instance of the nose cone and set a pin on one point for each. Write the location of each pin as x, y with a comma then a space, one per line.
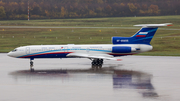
10, 54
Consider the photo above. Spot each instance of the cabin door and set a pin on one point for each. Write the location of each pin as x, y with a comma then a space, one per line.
27, 50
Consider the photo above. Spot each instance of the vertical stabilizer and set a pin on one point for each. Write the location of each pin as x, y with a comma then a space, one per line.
147, 32
143, 36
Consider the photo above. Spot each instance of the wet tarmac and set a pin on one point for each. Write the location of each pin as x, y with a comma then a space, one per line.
136, 78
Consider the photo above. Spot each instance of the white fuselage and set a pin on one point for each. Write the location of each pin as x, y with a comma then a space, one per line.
61, 51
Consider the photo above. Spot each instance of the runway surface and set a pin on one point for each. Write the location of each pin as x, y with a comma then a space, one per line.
136, 78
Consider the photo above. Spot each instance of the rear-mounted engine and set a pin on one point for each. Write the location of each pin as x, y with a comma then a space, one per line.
123, 49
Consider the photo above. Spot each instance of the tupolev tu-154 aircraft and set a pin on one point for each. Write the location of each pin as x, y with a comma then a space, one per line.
121, 46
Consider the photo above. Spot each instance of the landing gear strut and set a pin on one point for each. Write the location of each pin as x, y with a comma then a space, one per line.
97, 63
31, 65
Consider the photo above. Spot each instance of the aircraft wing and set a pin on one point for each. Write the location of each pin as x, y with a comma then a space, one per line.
94, 56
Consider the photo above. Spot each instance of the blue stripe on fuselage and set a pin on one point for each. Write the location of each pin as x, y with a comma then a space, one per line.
59, 54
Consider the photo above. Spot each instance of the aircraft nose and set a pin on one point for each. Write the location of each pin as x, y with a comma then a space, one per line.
10, 54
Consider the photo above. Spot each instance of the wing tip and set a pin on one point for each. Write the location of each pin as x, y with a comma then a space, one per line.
170, 25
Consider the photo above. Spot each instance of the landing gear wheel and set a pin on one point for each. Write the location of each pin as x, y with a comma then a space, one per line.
31, 63
97, 63
31, 66
93, 63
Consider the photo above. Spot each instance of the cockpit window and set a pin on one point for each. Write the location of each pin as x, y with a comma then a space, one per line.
14, 50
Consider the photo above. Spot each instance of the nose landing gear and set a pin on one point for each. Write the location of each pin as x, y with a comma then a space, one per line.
31, 65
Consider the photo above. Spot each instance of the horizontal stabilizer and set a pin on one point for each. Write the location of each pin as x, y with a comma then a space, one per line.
154, 25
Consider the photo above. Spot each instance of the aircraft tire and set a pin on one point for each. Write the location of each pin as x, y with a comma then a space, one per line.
93, 62
31, 63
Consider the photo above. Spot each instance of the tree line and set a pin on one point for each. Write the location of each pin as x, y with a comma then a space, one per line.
50, 9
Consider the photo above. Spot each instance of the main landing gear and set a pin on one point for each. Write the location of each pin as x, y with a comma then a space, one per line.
97, 63
31, 65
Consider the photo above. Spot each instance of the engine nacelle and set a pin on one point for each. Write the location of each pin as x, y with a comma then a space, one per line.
123, 49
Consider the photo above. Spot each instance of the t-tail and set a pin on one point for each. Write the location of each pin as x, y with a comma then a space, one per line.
143, 36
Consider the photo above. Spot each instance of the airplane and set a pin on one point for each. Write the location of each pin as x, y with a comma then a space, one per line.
121, 46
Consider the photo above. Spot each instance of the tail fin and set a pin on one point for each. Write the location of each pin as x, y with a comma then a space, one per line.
143, 36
